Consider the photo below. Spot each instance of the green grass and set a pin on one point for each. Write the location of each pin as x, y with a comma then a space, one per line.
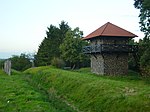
47, 89
17, 95
91, 93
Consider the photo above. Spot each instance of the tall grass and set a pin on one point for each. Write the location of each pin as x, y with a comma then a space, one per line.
17, 95
90, 93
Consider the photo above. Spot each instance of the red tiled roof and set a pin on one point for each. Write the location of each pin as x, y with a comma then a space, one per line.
110, 30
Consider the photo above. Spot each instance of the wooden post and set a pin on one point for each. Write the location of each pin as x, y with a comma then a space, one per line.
7, 67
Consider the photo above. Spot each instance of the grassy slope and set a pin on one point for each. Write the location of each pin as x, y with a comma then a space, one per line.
91, 93
16, 95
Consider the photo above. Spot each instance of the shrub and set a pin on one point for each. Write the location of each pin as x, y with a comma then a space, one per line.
145, 71
145, 63
1, 63
57, 62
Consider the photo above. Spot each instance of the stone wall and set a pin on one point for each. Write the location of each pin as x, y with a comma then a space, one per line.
114, 40
97, 64
109, 63
116, 64
109, 40
96, 41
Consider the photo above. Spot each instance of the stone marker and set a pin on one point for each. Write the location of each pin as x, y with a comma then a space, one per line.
7, 67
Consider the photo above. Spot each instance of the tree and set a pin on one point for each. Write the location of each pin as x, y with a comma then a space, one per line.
2, 63
61, 42
144, 6
21, 62
49, 47
144, 44
43, 55
71, 48
144, 53
133, 61
64, 27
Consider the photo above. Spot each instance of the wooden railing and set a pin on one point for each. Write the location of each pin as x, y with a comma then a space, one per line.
105, 48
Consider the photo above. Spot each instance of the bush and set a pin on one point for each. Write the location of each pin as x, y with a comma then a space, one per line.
145, 71
57, 62
20, 63
2, 63
145, 63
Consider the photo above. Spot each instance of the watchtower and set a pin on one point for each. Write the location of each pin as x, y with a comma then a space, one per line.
109, 49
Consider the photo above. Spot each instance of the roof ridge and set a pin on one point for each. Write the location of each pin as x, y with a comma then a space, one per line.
105, 28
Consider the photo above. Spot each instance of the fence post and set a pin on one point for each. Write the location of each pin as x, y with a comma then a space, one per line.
7, 67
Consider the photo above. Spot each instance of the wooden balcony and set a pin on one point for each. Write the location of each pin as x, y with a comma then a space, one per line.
110, 48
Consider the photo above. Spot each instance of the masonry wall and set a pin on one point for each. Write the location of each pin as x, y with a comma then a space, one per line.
116, 64
109, 40
115, 40
109, 63
97, 64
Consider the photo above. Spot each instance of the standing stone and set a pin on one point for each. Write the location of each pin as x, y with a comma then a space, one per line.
7, 67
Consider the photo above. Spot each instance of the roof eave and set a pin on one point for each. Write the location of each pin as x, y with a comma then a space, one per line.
88, 38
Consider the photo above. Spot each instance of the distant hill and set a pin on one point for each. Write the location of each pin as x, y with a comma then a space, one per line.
6, 55
2, 59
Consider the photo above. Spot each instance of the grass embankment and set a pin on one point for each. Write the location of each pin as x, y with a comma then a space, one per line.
17, 95
91, 93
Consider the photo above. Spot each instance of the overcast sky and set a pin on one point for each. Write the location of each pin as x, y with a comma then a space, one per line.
23, 23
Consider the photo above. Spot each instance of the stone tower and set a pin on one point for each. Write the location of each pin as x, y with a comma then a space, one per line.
109, 49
